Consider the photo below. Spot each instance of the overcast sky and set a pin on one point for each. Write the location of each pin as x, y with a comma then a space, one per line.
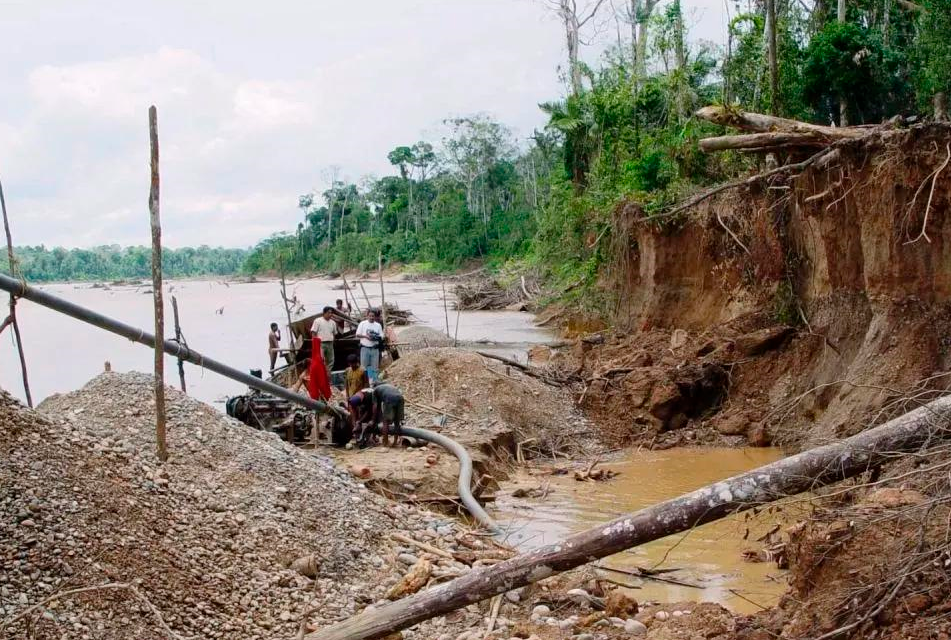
255, 100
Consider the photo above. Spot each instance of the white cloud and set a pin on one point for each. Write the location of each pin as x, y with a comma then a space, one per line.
254, 102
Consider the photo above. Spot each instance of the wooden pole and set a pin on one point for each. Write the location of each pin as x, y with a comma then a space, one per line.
365, 296
12, 317
382, 292
806, 471
156, 225
180, 340
348, 295
445, 308
287, 310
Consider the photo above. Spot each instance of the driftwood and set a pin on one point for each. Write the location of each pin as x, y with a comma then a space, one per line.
527, 370
796, 474
760, 141
760, 123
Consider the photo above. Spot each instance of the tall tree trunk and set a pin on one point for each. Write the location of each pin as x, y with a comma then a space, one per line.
941, 106
771, 29
634, 8
680, 52
574, 66
886, 22
156, 225
843, 103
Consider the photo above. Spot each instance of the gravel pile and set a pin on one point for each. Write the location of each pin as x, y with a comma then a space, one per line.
207, 538
491, 396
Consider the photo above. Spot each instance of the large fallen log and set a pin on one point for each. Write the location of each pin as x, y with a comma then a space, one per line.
760, 123
756, 141
790, 476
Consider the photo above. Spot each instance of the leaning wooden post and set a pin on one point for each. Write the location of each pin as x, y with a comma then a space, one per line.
156, 225
348, 294
12, 317
180, 340
445, 308
287, 310
382, 292
806, 471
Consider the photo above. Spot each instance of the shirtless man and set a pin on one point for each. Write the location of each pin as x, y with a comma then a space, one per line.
273, 344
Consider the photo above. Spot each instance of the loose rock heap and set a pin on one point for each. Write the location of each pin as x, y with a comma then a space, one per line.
218, 540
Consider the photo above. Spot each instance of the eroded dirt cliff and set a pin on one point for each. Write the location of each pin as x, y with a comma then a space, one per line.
854, 255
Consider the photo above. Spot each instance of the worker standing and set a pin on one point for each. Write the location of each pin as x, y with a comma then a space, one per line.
355, 377
342, 313
273, 344
370, 332
326, 329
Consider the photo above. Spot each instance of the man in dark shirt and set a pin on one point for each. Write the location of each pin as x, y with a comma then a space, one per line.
388, 408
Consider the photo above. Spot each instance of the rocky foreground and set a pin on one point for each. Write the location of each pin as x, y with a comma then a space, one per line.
217, 542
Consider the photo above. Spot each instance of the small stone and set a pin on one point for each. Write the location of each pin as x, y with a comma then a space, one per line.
540, 611
635, 628
661, 615
407, 559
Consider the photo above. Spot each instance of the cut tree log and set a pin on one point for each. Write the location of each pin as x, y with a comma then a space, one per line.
759, 141
760, 123
793, 475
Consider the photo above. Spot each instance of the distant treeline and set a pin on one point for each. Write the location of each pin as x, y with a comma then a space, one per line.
112, 262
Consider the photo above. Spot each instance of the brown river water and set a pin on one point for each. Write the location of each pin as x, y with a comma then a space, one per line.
709, 556
229, 322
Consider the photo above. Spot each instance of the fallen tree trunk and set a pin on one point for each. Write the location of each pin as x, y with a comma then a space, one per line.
796, 474
760, 123
763, 141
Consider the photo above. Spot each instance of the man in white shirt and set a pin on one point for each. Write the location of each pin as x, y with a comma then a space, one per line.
370, 332
326, 329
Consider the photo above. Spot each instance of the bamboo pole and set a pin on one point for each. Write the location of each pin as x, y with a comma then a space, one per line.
12, 317
156, 225
382, 292
806, 471
445, 308
287, 310
181, 340
365, 296
348, 295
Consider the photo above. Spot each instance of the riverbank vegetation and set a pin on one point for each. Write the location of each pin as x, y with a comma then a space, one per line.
39, 264
624, 131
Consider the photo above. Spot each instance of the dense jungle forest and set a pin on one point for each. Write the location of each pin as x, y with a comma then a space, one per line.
625, 130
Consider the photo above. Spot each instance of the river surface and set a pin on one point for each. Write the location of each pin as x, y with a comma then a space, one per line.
709, 556
227, 321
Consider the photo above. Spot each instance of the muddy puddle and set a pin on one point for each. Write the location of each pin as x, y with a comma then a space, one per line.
710, 556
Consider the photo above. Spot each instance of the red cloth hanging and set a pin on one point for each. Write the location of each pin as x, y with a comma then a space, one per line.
318, 386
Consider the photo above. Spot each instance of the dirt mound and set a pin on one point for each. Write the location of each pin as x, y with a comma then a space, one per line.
835, 251
873, 560
207, 538
482, 391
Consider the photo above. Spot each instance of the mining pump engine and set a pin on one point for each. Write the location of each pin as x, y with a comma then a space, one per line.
270, 413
